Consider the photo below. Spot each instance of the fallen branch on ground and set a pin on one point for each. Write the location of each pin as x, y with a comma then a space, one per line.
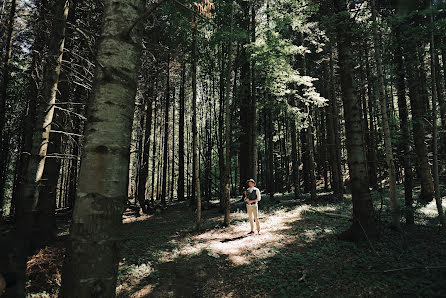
330, 214
408, 268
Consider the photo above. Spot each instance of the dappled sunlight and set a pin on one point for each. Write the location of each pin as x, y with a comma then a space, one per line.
241, 248
231, 243
295, 241
131, 219
430, 209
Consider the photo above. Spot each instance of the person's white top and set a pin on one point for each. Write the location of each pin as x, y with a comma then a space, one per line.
251, 189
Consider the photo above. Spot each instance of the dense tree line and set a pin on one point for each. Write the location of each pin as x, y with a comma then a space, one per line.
106, 105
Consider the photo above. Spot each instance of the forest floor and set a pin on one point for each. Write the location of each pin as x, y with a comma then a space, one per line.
296, 254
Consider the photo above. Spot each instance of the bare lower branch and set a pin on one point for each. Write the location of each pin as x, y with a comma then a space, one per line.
66, 133
144, 16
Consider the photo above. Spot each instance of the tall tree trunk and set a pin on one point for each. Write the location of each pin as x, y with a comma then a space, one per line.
46, 217
405, 135
269, 155
180, 191
30, 112
3, 97
363, 225
294, 163
372, 159
152, 198
227, 171
195, 164
245, 139
253, 106
144, 166
166, 134
310, 144
418, 112
92, 263
31, 208
394, 205
435, 170
172, 182
334, 131
310, 155
221, 133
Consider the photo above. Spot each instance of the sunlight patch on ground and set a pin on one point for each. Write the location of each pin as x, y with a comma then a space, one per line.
133, 275
431, 209
233, 242
130, 219
144, 292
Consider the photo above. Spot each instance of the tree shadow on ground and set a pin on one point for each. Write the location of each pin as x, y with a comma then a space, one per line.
297, 255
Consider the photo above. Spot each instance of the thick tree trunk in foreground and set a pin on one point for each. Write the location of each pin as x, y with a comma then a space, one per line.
92, 263
364, 225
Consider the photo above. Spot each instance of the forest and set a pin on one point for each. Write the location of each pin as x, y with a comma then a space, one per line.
134, 135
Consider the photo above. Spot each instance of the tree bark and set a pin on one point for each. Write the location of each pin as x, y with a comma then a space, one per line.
180, 191
404, 127
435, 170
245, 139
253, 113
418, 112
166, 135
195, 161
144, 166
294, 163
394, 205
334, 131
172, 172
221, 133
372, 159
363, 225
3, 97
269, 142
32, 210
227, 171
92, 263
152, 198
